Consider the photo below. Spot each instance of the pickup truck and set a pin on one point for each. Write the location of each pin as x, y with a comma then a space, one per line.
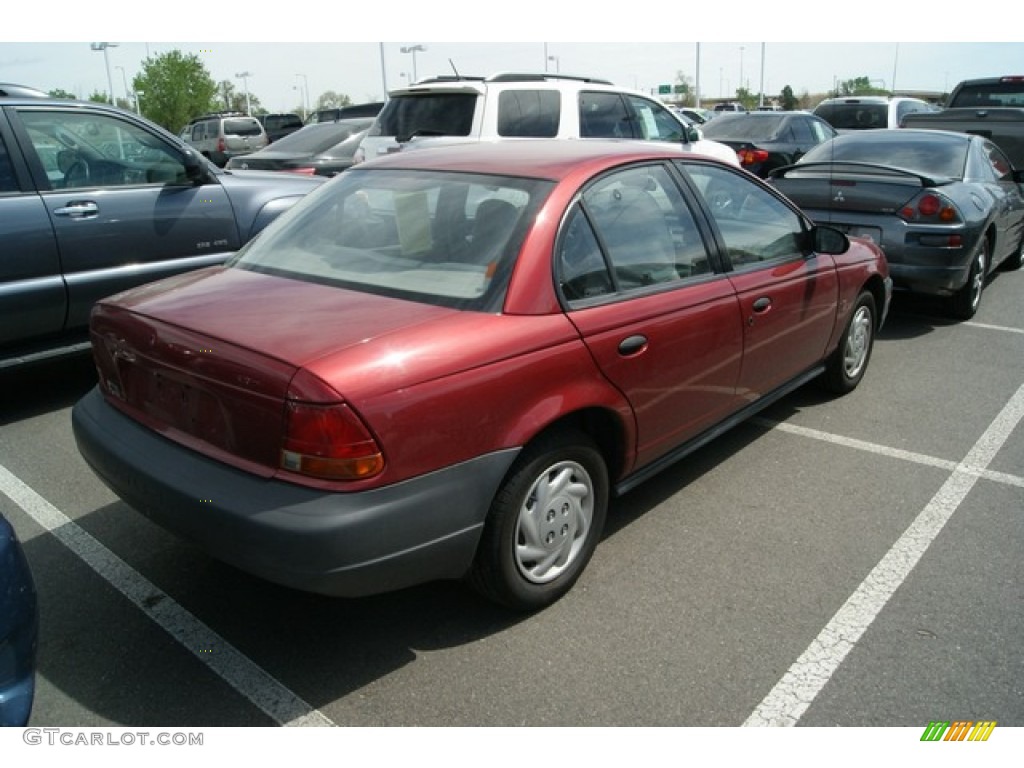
95, 200
992, 107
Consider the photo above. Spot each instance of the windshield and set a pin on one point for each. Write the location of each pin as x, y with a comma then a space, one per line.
927, 153
319, 137
431, 236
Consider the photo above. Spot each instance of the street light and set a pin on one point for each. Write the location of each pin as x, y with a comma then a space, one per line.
245, 84
305, 97
106, 59
413, 49
558, 63
127, 94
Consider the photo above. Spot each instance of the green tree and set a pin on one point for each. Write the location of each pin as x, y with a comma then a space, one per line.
682, 89
60, 93
173, 88
787, 100
331, 99
100, 97
859, 86
230, 99
746, 98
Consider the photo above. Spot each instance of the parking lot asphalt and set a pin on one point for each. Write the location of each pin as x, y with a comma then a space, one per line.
851, 561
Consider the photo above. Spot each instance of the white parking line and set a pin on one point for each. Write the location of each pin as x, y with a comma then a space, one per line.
795, 692
250, 680
987, 326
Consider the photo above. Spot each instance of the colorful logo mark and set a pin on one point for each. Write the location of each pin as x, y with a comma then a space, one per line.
958, 730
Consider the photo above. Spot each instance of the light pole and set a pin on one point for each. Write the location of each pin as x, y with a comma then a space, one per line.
558, 63
245, 84
106, 60
305, 97
127, 93
741, 68
413, 49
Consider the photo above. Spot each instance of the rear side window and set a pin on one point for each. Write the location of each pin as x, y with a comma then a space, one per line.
604, 116
528, 113
429, 114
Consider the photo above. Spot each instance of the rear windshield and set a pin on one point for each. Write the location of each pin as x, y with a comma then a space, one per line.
320, 137
428, 114
854, 116
939, 155
1006, 94
436, 237
744, 126
238, 126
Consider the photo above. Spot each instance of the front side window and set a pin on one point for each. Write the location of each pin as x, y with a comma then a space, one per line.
653, 121
436, 237
80, 150
529, 113
755, 226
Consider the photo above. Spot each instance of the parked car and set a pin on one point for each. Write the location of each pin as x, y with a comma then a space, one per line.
858, 113
19, 630
457, 110
992, 107
219, 137
281, 124
764, 141
94, 200
442, 364
323, 149
945, 207
729, 106
330, 114
695, 115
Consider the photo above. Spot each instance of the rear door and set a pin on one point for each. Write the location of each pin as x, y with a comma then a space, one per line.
653, 307
119, 203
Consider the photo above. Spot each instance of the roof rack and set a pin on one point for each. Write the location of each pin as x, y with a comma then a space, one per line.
509, 77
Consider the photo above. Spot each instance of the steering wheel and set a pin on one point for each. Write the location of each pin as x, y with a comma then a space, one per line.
77, 174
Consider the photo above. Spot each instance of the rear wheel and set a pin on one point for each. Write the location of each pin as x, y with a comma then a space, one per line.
544, 523
846, 366
965, 302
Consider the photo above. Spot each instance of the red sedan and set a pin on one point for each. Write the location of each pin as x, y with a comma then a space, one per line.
444, 363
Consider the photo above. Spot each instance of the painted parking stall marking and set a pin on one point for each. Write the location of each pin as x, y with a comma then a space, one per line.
246, 677
795, 692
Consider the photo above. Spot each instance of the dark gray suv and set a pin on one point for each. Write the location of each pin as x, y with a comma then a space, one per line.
94, 200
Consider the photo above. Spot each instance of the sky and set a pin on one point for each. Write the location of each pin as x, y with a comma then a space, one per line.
287, 61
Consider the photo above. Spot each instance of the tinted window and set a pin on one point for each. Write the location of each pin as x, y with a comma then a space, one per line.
604, 116
7, 181
922, 151
529, 113
431, 114
854, 115
436, 237
237, 126
743, 126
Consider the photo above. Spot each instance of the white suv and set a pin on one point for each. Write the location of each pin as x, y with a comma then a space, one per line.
858, 113
455, 110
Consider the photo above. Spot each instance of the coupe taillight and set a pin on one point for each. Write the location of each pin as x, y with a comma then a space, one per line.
751, 156
930, 207
328, 442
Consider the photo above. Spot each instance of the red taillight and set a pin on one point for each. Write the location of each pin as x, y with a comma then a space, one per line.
328, 442
929, 206
751, 156
302, 171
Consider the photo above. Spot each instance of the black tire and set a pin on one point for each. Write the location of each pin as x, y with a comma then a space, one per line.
846, 366
535, 545
965, 302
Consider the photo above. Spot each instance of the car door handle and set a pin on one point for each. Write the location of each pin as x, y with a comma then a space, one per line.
762, 304
631, 345
78, 210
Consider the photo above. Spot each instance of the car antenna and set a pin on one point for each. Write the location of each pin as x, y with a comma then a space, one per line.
452, 64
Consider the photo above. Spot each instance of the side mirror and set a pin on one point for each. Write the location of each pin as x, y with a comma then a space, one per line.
829, 240
194, 168
693, 133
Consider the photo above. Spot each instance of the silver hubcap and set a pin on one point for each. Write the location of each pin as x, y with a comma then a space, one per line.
554, 522
978, 280
858, 342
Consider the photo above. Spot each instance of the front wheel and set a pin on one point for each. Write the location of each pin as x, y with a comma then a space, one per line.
544, 523
846, 366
